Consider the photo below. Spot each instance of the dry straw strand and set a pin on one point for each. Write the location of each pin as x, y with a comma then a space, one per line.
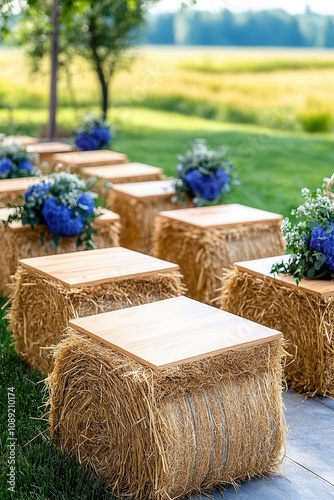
164, 434
202, 254
305, 320
41, 307
138, 218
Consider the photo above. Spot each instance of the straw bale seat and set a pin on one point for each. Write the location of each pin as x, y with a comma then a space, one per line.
107, 175
138, 204
303, 313
21, 242
205, 240
78, 159
21, 140
50, 290
12, 190
45, 152
169, 398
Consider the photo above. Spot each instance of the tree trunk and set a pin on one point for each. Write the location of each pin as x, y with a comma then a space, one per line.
52, 128
105, 98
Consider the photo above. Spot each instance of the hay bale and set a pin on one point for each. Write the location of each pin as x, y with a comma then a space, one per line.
304, 318
41, 305
45, 151
138, 204
203, 251
168, 433
12, 190
124, 173
76, 160
21, 242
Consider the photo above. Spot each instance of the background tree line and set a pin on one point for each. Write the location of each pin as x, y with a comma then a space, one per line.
272, 28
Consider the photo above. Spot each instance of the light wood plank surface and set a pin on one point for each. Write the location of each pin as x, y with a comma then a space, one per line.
147, 190
173, 331
22, 140
90, 158
96, 266
262, 267
18, 185
106, 217
117, 172
221, 216
49, 147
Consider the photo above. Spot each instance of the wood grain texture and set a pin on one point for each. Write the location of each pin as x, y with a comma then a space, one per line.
96, 266
221, 216
262, 267
18, 185
90, 158
173, 331
49, 147
117, 172
22, 140
146, 190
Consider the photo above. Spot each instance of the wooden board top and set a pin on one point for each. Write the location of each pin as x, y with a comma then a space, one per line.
151, 189
96, 266
221, 216
91, 158
22, 140
18, 185
262, 267
49, 147
106, 217
173, 331
115, 172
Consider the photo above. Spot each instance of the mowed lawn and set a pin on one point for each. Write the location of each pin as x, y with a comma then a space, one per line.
273, 165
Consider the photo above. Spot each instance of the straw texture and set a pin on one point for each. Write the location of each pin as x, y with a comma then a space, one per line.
12, 198
163, 434
203, 253
24, 242
138, 217
41, 307
305, 320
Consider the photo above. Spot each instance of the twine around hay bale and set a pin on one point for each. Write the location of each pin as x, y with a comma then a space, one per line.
138, 217
163, 434
305, 320
24, 242
36, 328
203, 253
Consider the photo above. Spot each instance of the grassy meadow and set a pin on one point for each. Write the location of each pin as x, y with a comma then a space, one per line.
262, 103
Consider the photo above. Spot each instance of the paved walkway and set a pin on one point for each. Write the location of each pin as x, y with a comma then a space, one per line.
309, 466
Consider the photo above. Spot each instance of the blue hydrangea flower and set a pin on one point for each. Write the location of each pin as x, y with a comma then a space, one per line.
37, 193
222, 177
207, 187
6, 165
25, 165
86, 142
318, 237
60, 219
86, 203
103, 134
324, 242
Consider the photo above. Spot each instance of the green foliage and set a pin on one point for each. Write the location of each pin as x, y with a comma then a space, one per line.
42, 472
313, 120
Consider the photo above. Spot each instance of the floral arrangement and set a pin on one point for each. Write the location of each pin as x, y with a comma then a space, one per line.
64, 204
16, 162
311, 240
94, 133
203, 174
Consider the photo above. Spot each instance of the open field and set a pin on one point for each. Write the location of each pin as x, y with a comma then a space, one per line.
225, 84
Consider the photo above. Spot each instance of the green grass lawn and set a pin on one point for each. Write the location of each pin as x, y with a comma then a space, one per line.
272, 166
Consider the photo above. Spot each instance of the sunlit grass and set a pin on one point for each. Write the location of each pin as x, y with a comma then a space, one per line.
250, 86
